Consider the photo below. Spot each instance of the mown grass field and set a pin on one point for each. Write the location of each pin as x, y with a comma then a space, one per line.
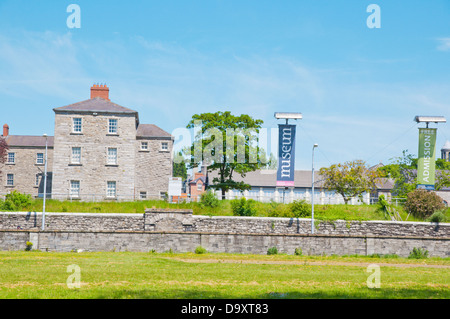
130, 275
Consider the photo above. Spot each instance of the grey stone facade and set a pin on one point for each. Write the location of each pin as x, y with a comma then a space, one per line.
27, 170
100, 151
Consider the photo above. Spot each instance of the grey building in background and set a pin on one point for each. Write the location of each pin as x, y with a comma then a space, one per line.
100, 151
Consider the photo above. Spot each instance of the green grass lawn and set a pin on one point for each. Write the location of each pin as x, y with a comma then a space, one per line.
322, 212
125, 275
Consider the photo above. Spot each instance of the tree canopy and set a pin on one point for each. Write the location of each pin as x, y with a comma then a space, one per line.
227, 144
349, 179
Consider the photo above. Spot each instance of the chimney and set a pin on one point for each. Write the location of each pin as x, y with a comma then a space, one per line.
5, 130
100, 90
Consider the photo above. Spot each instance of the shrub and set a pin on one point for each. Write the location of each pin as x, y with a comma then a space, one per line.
300, 208
438, 217
418, 253
421, 203
200, 250
272, 251
298, 252
29, 246
16, 201
209, 199
243, 207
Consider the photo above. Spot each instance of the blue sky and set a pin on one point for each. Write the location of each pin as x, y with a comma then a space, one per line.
357, 88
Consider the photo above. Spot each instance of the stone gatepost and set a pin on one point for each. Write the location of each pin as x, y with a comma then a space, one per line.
170, 220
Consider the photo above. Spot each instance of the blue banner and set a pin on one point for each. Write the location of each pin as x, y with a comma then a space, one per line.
286, 155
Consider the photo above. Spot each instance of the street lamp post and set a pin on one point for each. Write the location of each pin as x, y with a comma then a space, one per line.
45, 184
312, 193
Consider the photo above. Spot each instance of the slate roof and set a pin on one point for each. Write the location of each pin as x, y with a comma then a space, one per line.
28, 141
151, 130
96, 104
302, 178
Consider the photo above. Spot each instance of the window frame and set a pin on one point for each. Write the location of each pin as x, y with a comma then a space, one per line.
74, 158
165, 146
146, 149
110, 194
9, 156
108, 156
78, 189
75, 125
114, 127
37, 159
10, 180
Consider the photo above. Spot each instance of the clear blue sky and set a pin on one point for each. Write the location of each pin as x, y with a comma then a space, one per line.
358, 88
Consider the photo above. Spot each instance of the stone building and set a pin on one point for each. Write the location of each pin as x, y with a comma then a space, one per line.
101, 151
24, 166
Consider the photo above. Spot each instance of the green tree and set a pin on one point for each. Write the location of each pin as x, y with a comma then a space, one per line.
228, 145
179, 168
350, 179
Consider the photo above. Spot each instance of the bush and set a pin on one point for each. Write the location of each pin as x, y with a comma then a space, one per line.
209, 199
272, 251
16, 201
438, 217
300, 208
298, 252
243, 207
422, 204
200, 250
418, 253
29, 246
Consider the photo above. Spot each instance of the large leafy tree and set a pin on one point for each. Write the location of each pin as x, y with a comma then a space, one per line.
349, 179
227, 144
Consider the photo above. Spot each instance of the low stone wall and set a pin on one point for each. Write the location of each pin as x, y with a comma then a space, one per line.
181, 231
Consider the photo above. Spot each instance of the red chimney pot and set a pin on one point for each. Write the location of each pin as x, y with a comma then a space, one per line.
5, 130
100, 91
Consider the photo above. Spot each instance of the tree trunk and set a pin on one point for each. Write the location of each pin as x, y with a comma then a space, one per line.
223, 194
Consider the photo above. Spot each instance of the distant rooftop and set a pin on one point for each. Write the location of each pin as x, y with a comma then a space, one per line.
28, 141
151, 130
96, 104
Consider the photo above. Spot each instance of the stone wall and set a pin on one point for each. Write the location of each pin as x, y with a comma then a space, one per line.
180, 231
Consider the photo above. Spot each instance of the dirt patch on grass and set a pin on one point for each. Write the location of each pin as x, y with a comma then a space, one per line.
310, 263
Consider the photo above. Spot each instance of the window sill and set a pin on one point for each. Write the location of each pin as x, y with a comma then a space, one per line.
110, 198
10, 163
112, 134
38, 164
10, 186
75, 164
76, 133
164, 151
144, 151
112, 165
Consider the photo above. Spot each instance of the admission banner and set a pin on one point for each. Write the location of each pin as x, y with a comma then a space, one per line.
286, 155
427, 158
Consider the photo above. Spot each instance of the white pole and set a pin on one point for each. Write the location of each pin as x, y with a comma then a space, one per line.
312, 195
45, 184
